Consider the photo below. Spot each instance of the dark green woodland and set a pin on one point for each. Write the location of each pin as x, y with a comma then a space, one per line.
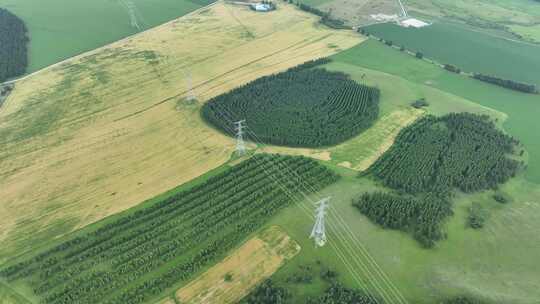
13, 45
302, 107
430, 160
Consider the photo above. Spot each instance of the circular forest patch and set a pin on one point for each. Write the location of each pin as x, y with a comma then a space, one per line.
300, 107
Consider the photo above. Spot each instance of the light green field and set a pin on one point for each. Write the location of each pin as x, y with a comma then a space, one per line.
60, 29
530, 33
10, 296
498, 263
471, 50
491, 15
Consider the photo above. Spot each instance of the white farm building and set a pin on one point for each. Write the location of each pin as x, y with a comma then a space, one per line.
261, 7
411, 22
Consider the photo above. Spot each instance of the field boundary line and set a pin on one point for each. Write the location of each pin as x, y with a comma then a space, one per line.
92, 51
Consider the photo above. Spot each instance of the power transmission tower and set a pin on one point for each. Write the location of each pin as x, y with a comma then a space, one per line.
318, 232
132, 14
240, 144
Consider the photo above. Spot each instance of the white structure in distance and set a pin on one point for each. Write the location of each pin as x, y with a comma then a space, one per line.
412, 22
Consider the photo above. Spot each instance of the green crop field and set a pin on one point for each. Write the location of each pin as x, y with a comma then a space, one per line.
469, 49
497, 263
62, 28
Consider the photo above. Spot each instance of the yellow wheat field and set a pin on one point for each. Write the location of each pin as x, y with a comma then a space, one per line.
247, 266
106, 130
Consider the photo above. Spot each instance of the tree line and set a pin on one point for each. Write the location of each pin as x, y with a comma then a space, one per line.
428, 161
13, 45
506, 83
326, 19
143, 253
303, 106
464, 151
334, 292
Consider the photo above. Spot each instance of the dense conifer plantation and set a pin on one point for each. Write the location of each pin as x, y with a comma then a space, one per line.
463, 151
300, 107
428, 161
13, 40
421, 216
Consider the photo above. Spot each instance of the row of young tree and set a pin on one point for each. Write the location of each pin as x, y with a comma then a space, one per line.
146, 251
428, 161
506, 83
299, 107
13, 45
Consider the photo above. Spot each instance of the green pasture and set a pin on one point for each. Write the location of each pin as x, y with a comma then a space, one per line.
529, 33
522, 109
497, 263
60, 29
469, 49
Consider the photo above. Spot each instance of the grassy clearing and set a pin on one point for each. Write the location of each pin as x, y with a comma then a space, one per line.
111, 128
247, 266
471, 50
529, 33
9, 296
64, 28
364, 150
497, 263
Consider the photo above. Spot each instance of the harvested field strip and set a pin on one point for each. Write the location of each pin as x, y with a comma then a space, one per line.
106, 130
369, 146
247, 266
139, 256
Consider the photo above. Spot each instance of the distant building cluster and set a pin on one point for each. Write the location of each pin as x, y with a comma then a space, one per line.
411, 22
263, 6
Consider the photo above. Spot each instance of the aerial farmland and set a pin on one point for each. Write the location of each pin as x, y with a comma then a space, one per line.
273, 152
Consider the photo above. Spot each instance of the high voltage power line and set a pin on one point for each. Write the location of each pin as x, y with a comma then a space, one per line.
376, 277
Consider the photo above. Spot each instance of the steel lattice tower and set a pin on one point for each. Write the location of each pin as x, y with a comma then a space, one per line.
240, 144
318, 232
